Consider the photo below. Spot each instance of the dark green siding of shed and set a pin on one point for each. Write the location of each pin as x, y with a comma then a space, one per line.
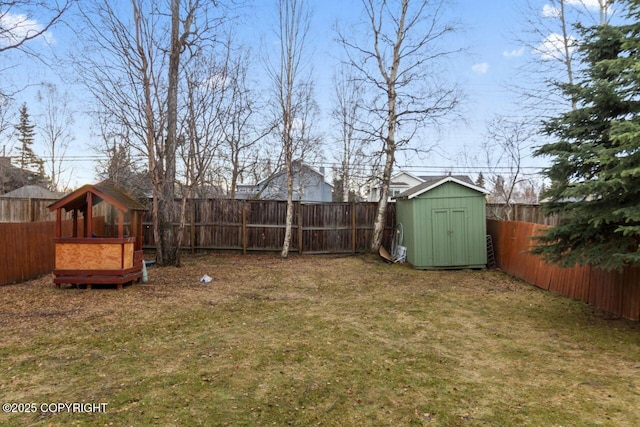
444, 228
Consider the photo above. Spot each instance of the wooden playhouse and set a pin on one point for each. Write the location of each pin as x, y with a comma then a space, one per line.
103, 243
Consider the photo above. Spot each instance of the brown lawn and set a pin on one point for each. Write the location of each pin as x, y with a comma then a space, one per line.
315, 340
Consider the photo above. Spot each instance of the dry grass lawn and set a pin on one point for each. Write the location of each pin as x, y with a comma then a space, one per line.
316, 340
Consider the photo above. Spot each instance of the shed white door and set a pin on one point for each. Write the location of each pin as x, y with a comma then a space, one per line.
449, 228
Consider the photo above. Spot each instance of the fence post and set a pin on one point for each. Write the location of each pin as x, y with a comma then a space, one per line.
244, 227
192, 231
354, 232
299, 227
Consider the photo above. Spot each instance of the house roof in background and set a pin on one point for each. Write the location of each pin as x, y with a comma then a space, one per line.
399, 175
281, 171
432, 178
421, 178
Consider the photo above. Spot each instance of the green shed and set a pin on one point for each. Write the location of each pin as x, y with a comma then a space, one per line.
444, 223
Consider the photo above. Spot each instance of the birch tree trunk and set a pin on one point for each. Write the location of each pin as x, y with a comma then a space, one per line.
291, 89
390, 79
289, 218
404, 45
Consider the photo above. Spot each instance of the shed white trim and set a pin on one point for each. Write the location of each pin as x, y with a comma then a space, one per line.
428, 186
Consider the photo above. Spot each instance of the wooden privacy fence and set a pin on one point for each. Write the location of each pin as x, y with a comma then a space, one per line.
259, 225
29, 210
34, 210
25, 210
615, 292
29, 250
211, 224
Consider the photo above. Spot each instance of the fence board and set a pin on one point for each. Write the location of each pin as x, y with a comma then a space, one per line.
204, 211
259, 225
29, 249
631, 293
615, 292
25, 210
212, 224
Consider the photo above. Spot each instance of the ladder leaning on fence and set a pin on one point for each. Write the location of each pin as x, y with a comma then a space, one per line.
491, 258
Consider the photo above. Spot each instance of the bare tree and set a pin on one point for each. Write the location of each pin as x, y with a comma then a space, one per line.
132, 66
202, 116
22, 21
204, 91
348, 105
6, 136
398, 64
120, 163
181, 29
121, 65
56, 132
292, 89
244, 127
550, 37
508, 143
6, 124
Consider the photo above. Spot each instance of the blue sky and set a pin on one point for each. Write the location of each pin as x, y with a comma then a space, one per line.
492, 58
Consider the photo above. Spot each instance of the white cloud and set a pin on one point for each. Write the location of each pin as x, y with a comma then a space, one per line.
589, 4
480, 69
216, 81
513, 53
17, 26
552, 47
549, 11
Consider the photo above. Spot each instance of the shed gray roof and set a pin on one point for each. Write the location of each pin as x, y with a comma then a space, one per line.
32, 192
432, 182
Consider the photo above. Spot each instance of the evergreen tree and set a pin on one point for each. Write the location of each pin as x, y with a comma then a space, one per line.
336, 196
120, 169
499, 193
480, 180
595, 174
28, 160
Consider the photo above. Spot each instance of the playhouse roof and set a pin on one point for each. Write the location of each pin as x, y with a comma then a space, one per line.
438, 181
102, 191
